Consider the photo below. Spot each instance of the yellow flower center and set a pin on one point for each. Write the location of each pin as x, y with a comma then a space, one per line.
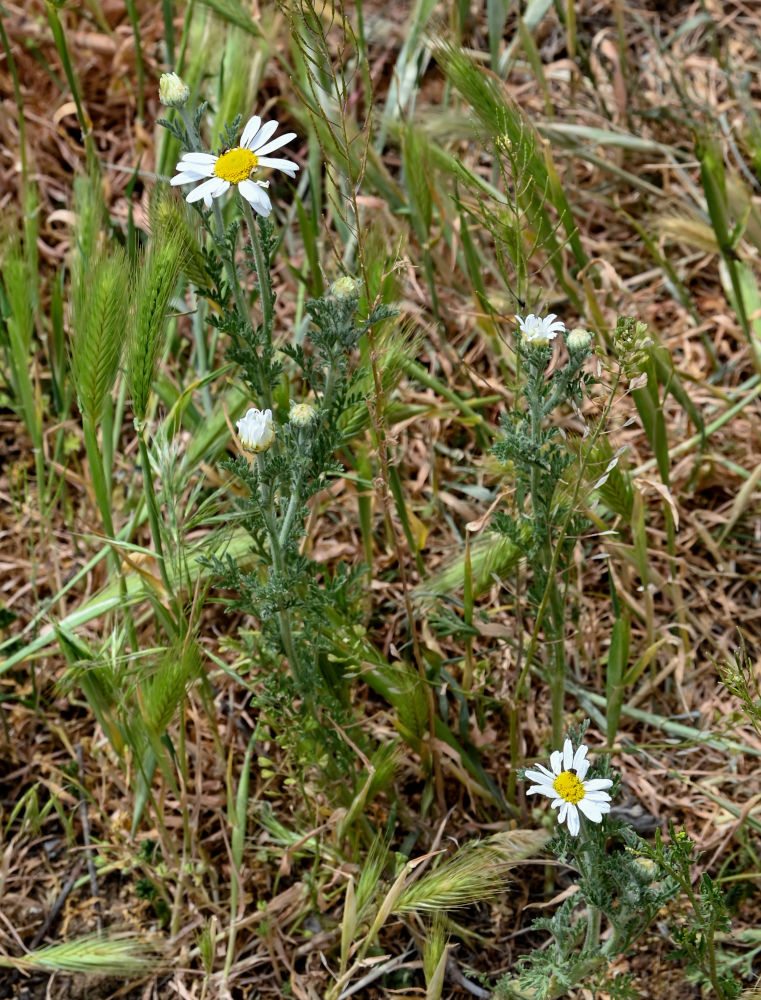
568, 787
236, 165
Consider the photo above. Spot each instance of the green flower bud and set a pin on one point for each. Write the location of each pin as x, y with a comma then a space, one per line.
345, 288
173, 91
578, 339
302, 414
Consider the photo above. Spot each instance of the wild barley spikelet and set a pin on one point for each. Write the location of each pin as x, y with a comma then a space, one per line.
99, 318
158, 277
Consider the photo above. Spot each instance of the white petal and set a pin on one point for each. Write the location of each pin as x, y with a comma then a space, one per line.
563, 811
573, 820
597, 796
540, 774
285, 165
275, 144
542, 790
252, 127
212, 188
581, 770
197, 159
256, 197
595, 784
591, 810
262, 135
556, 761
567, 755
578, 757
189, 176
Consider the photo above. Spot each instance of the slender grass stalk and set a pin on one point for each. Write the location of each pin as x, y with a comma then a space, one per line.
237, 811
12, 69
134, 20
85, 123
19, 291
154, 520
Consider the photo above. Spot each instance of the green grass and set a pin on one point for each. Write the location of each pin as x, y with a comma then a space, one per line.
465, 166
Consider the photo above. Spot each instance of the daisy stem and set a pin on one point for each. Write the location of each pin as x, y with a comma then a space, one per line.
278, 564
555, 623
229, 259
265, 290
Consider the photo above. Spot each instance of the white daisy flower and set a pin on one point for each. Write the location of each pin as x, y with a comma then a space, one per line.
236, 166
565, 784
539, 329
256, 430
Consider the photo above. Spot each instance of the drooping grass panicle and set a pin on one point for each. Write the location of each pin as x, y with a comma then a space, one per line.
107, 955
473, 874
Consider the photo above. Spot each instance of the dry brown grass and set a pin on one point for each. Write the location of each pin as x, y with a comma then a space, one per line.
711, 590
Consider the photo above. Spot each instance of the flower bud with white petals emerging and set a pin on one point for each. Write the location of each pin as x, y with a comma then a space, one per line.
256, 430
539, 330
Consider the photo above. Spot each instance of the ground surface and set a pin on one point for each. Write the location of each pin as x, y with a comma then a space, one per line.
657, 79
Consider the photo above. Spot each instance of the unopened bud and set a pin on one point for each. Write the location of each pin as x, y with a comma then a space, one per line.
344, 288
173, 91
578, 339
302, 414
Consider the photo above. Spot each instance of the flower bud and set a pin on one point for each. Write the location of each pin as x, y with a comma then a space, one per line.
578, 339
173, 91
302, 414
256, 430
344, 288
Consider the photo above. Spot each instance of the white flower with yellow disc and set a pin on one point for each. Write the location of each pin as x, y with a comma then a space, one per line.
566, 786
237, 166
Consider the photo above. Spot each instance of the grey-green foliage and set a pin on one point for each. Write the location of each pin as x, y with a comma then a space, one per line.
157, 278
695, 935
100, 321
739, 678
540, 457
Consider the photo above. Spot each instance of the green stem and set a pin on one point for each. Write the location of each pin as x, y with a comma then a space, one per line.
84, 119
102, 492
557, 652
556, 621
266, 299
232, 274
533, 642
153, 511
278, 564
290, 514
